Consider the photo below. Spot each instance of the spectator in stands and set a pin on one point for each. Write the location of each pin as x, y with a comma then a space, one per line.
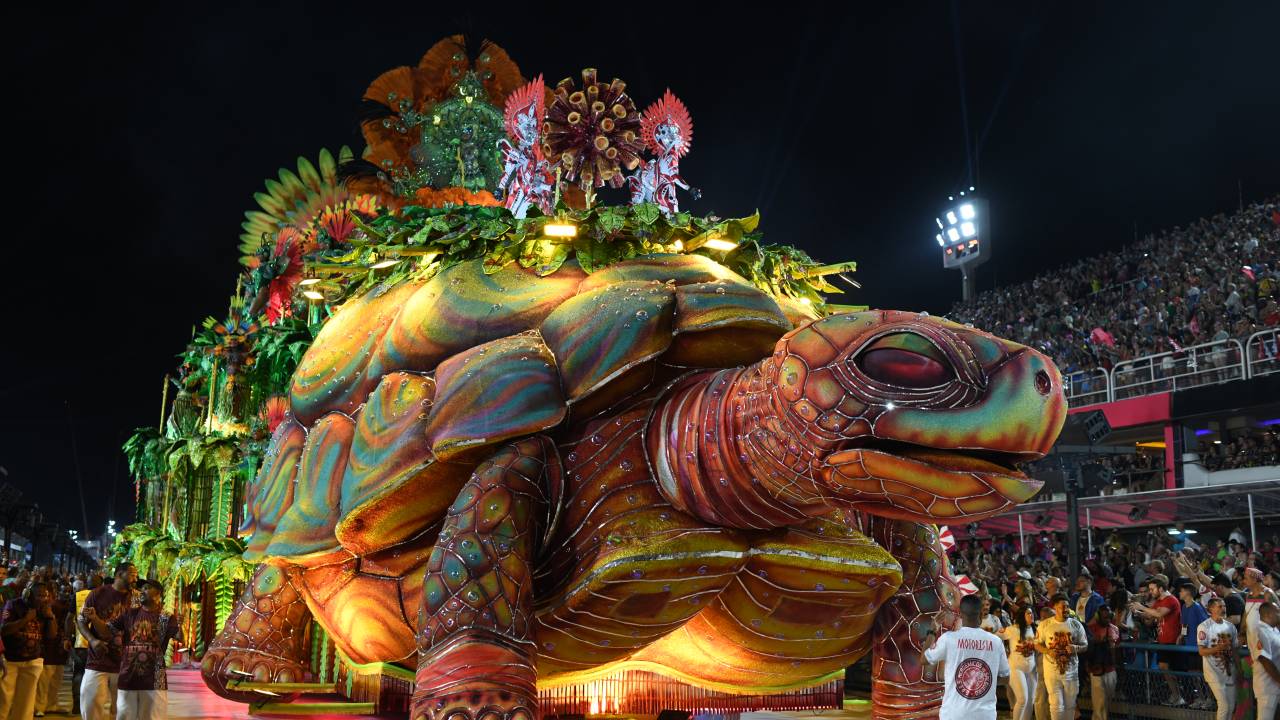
1085, 601
1166, 611
1232, 599
991, 622
1191, 616
1182, 287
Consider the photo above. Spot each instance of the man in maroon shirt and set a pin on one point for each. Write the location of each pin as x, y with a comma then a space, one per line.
102, 671
24, 623
1167, 611
144, 634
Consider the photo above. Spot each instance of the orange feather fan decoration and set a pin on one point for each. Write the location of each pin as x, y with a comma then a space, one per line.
400, 90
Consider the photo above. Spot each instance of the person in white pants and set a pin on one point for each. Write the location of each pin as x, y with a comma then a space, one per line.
1023, 675
57, 650
1042, 687
102, 671
1217, 642
145, 633
18, 689
23, 623
1060, 640
1104, 638
1266, 676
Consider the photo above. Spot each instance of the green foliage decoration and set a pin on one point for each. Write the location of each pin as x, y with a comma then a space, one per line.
171, 561
427, 240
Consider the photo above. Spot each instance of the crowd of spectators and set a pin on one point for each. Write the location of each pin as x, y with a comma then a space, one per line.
1132, 578
1254, 448
1215, 279
1134, 472
1131, 472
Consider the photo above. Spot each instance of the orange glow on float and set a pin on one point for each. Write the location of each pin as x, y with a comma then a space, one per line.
640, 692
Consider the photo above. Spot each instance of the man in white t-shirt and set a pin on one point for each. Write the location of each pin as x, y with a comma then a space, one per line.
1060, 640
1256, 594
990, 621
1266, 674
974, 660
1217, 641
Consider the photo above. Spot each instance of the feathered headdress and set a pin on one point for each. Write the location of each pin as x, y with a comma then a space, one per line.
533, 95
667, 111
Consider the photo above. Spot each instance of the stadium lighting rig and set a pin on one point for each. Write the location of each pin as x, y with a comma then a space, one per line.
964, 234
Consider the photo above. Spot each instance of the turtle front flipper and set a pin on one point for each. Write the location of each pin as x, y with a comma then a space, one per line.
476, 651
902, 686
264, 640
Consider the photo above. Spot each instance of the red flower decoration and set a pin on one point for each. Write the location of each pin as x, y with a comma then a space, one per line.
275, 411
280, 289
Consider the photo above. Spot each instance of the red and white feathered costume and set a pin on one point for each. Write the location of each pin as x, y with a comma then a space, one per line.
667, 131
526, 175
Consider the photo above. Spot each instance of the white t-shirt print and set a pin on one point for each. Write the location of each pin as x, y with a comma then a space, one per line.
974, 660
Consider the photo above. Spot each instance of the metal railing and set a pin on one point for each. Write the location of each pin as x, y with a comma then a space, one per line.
1087, 387
1142, 688
1262, 352
1203, 364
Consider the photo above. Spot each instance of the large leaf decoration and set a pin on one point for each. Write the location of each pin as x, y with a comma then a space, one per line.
445, 236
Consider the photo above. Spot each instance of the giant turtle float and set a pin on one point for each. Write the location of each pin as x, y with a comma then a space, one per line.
526, 479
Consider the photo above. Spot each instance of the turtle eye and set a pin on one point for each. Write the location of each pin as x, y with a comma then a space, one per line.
905, 360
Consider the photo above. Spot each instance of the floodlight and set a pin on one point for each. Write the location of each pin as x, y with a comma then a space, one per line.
966, 211
953, 234
940, 242
967, 229
951, 217
939, 221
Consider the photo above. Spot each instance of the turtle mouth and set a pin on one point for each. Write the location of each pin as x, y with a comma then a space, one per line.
964, 460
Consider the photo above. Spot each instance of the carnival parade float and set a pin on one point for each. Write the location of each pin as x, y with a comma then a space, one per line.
546, 455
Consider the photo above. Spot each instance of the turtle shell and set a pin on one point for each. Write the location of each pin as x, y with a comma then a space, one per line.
407, 388
468, 360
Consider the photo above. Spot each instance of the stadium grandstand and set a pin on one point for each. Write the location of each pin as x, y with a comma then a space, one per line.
1174, 340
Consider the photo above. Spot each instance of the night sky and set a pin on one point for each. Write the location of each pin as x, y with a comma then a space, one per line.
137, 140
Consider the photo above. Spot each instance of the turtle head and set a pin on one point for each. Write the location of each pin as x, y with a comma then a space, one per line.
913, 417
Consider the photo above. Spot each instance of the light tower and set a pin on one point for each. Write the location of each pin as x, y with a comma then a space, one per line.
964, 234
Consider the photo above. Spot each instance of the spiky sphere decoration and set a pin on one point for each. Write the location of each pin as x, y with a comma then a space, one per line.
594, 133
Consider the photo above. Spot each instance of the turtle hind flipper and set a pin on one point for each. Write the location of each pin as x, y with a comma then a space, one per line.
476, 652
